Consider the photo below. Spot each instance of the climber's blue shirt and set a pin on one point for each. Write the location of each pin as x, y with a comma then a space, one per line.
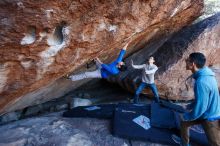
111, 69
207, 100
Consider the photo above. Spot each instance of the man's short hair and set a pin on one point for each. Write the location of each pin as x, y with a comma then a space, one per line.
198, 58
151, 57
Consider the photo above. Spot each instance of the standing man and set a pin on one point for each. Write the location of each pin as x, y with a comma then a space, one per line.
206, 110
148, 71
103, 70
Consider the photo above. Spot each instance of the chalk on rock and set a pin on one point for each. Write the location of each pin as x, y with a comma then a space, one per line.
30, 36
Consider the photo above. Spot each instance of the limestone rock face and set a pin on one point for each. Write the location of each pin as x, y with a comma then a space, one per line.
170, 58
40, 41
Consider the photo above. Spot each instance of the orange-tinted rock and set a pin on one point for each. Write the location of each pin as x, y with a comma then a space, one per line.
201, 37
43, 40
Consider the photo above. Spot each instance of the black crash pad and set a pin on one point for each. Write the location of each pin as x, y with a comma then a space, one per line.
133, 122
125, 124
126, 115
162, 117
172, 106
104, 111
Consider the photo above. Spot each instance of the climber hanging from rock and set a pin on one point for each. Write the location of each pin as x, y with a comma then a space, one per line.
148, 71
103, 70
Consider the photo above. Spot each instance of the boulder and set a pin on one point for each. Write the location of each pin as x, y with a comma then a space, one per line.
43, 40
170, 58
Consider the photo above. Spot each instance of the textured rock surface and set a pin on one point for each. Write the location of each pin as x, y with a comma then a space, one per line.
40, 41
54, 130
211, 7
202, 37
110, 93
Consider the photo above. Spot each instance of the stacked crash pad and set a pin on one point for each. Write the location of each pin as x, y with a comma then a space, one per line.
147, 122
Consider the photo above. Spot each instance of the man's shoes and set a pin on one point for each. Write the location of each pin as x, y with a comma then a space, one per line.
129, 100
156, 101
135, 101
178, 140
90, 63
132, 100
67, 76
